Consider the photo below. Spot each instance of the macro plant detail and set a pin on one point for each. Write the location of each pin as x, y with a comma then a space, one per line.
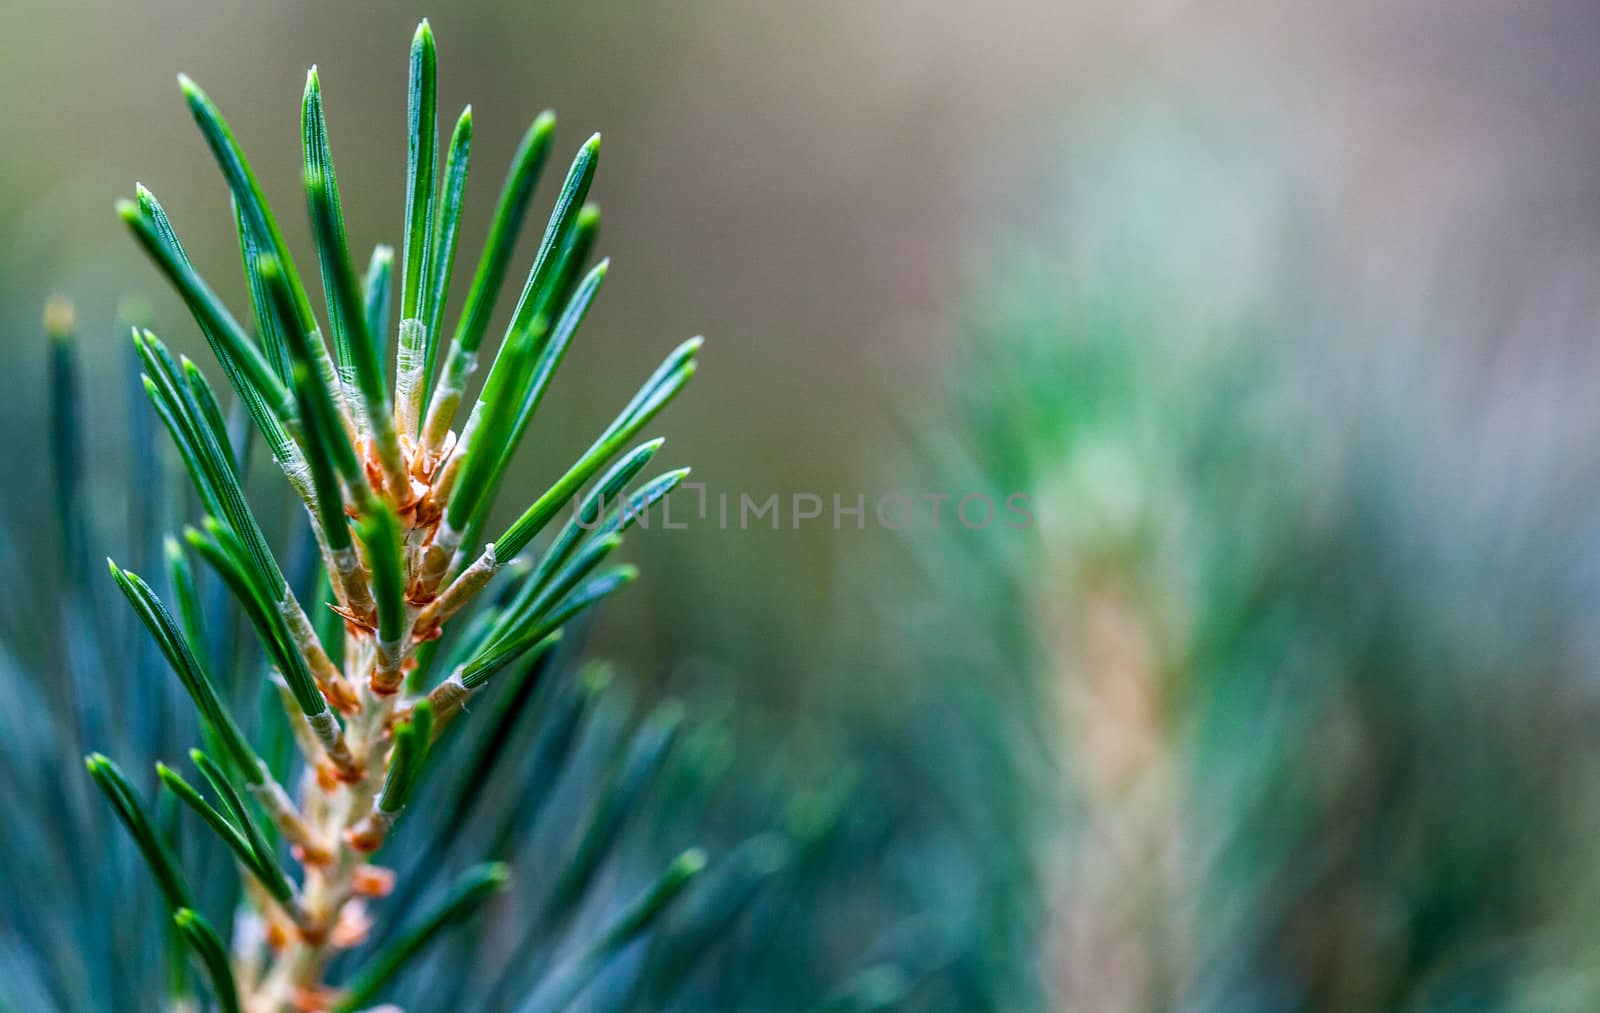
398, 494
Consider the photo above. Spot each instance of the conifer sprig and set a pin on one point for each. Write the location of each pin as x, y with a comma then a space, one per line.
396, 498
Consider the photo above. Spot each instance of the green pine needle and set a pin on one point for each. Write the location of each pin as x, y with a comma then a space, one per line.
554, 349
638, 505
522, 625
212, 955
248, 371
411, 739
259, 862
678, 946
175, 648
421, 154
212, 466
670, 378
219, 551
320, 437
557, 234
331, 244
509, 213
269, 334
598, 500
378, 289
322, 423
558, 991
347, 296
466, 896
616, 803
180, 575
496, 413
444, 240
125, 803
208, 410
380, 536
242, 183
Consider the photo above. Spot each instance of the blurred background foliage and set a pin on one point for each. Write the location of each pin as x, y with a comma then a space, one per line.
1283, 314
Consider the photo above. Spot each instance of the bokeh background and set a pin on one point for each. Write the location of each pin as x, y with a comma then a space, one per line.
1284, 315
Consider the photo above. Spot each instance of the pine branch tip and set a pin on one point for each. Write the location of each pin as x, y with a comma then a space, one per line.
690, 862
60, 318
